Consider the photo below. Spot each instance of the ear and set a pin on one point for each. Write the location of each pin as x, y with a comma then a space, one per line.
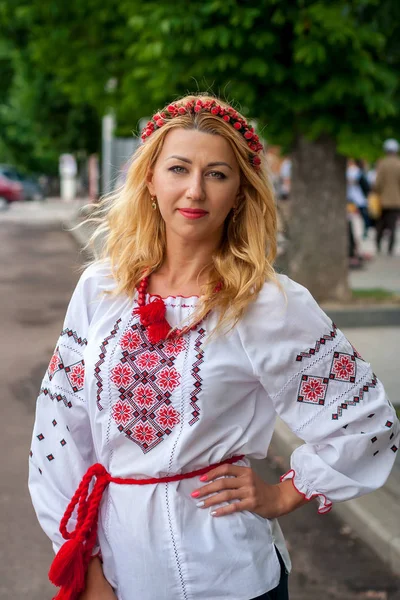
149, 182
239, 196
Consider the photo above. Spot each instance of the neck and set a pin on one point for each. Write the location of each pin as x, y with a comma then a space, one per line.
186, 266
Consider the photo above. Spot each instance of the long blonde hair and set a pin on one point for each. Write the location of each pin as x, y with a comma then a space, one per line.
134, 238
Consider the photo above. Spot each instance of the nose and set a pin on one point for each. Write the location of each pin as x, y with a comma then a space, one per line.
195, 190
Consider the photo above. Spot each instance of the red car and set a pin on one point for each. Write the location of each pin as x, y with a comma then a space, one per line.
10, 191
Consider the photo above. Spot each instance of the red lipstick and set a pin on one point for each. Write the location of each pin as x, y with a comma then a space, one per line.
192, 213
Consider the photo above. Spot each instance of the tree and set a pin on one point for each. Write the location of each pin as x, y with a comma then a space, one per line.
319, 77
315, 74
38, 119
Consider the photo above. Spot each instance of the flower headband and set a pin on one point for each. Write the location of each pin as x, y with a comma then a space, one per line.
228, 114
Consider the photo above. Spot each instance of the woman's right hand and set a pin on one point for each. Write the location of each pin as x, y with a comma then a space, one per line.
97, 586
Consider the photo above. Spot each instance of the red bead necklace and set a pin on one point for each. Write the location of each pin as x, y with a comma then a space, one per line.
152, 316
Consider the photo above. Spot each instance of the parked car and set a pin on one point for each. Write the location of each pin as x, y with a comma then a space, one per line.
32, 189
10, 191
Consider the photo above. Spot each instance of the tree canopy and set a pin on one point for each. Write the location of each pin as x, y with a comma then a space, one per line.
304, 67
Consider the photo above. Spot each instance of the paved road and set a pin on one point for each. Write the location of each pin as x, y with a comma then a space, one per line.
38, 274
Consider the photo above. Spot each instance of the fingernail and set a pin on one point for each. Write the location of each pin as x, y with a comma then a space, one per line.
195, 494
203, 478
213, 513
200, 504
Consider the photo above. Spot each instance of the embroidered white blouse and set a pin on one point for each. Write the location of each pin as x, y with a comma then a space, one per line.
145, 410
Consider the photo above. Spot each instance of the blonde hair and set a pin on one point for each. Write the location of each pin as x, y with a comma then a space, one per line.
134, 238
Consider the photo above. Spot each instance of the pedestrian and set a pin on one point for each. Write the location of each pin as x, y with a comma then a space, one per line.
284, 194
358, 190
180, 347
387, 185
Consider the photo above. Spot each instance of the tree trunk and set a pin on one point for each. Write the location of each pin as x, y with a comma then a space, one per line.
318, 229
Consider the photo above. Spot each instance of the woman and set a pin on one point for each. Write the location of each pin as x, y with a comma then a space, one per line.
178, 350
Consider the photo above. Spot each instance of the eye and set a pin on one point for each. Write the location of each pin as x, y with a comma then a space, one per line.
217, 175
177, 169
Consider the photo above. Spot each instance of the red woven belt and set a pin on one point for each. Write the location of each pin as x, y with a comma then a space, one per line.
70, 564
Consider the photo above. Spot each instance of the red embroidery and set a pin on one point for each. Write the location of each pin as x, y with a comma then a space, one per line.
122, 413
122, 375
56, 364
321, 342
343, 367
198, 381
145, 378
167, 416
78, 340
58, 397
168, 379
76, 375
99, 364
357, 354
313, 389
356, 399
147, 360
144, 395
130, 341
145, 434
175, 346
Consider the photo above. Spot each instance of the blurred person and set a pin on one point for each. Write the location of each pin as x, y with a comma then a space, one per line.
285, 185
180, 347
357, 190
387, 185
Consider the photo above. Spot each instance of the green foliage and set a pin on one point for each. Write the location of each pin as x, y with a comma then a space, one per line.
308, 67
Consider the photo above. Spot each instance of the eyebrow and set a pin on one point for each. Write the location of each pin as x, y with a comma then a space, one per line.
212, 164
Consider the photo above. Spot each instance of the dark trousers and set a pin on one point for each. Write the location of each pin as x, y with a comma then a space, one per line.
365, 217
281, 592
387, 221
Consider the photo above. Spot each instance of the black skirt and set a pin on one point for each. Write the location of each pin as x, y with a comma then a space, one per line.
281, 592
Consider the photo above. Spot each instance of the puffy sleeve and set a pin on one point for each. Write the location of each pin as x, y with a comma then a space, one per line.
62, 447
325, 392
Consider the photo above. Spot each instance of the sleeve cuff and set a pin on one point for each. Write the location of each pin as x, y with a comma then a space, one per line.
325, 505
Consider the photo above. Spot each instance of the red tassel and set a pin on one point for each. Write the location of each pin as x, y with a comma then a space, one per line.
156, 332
154, 312
68, 569
65, 594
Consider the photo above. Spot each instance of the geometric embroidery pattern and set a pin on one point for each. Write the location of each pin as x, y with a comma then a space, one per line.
145, 378
98, 365
343, 367
313, 389
195, 374
55, 364
357, 354
78, 340
76, 375
321, 342
356, 399
75, 372
58, 397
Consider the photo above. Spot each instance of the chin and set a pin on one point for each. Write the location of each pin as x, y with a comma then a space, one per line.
194, 232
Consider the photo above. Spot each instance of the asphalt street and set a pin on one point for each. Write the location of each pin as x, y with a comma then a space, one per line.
39, 270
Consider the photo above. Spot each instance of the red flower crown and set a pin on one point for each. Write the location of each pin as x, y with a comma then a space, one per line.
228, 114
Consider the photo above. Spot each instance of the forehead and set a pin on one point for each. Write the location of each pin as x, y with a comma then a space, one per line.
197, 144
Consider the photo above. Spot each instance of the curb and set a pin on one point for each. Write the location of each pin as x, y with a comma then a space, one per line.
365, 316
373, 517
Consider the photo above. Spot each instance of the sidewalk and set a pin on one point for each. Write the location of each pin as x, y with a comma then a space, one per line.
382, 271
374, 518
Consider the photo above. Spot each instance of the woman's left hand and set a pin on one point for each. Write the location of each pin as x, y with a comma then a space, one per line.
245, 490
